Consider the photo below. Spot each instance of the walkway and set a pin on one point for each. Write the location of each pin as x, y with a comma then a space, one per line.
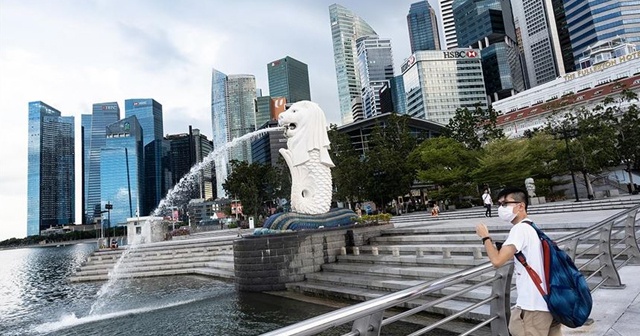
616, 312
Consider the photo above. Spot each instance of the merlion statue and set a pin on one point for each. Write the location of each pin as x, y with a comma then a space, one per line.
531, 187
307, 155
308, 158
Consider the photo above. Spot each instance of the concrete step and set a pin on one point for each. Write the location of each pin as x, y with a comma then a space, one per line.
146, 274
111, 260
405, 272
128, 263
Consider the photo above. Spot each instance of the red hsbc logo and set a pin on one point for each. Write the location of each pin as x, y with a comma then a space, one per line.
460, 54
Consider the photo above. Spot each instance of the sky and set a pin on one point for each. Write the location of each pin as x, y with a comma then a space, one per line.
72, 54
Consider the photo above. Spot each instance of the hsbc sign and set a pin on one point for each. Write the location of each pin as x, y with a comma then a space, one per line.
460, 54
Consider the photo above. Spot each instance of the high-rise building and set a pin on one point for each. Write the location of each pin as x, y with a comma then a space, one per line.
590, 22
289, 78
186, 150
149, 115
51, 169
375, 66
445, 9
95, 125
233, 99
397, 94
436, 83
122, 178
423, 27
481, 25
538, 41
564, 36
346, 28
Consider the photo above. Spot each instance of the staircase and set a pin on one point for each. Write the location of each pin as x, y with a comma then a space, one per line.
422, 248
203, 254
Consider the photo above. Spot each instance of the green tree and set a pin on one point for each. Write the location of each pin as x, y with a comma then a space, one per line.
350, 174
448, 164
387, 159
252, 184
504, 162
626, 122
474, 127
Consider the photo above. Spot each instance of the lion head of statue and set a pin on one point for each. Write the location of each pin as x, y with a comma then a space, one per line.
306, 130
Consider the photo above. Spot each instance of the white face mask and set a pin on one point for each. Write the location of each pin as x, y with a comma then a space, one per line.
506, 213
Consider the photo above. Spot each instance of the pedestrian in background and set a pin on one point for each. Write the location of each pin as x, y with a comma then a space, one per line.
488, 202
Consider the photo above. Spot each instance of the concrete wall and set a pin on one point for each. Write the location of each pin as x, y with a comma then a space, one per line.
269, 262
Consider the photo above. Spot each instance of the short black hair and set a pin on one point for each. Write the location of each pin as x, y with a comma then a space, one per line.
518, 195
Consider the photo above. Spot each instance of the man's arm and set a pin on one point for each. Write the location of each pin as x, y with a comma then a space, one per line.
497, 258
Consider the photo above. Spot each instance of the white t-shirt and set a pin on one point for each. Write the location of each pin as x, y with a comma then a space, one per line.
487, 199
525, 239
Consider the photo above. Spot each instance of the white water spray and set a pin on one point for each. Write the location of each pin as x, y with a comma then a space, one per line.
109, 289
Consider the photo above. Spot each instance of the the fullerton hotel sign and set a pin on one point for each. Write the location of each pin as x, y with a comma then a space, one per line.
602, 66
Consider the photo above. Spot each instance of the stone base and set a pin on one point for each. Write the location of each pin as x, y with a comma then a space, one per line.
293, 221
537, 200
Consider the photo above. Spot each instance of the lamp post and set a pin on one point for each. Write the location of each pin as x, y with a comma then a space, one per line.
566, 133
109, 206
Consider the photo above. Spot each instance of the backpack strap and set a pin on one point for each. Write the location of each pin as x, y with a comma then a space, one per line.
532, 273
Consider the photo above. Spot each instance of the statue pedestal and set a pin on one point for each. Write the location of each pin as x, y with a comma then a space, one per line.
537, 200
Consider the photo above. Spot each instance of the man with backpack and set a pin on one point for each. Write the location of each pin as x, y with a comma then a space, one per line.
531, 314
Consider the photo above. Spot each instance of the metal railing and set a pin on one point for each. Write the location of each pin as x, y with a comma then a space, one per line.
599, 242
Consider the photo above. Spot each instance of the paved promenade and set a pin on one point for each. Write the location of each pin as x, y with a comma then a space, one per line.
616, 312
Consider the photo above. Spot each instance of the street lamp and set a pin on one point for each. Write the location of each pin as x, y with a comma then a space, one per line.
566, 133
109, 206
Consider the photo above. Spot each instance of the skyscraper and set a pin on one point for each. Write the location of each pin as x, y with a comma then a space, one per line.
538, 40
457, 83
289, 78
233, 115
51, 169
121, 164
590, 22
95, 125
346, 28
186, 150
423, 27
482, 25
149, 115
445, 8
375, 66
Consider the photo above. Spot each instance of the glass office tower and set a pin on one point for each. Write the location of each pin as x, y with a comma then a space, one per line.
288, 78
149, 115
122, 173
346, 28
423, 27
482, 25
51, 169
590, 22
95, 125
375, 66
233, 114
186, 150
436, 83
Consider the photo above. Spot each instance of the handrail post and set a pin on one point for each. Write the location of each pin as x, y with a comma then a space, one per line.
501, 306
633, 253
609, 272
368, 325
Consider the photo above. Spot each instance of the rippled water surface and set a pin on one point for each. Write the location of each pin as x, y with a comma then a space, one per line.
37, 299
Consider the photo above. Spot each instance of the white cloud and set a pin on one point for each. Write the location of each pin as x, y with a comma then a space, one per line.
72, 54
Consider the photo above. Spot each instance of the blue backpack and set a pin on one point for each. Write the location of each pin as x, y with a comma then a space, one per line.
568, 297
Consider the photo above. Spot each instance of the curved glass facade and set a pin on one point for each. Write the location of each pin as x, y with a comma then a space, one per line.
149, 115
103, 114
122, 172
346, 28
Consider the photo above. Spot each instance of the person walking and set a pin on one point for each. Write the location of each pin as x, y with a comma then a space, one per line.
530, 316
488, 202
